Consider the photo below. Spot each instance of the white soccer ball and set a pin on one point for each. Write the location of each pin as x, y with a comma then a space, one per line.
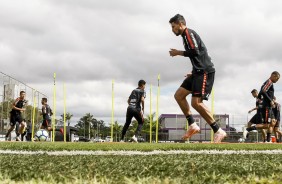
241, 140
41, 135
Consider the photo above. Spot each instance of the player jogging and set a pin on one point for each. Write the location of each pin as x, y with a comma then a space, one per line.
198, 83
135, 109
16, 116
255, 119
266, 116
47, 113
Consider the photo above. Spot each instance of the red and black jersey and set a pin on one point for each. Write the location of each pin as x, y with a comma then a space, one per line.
196, 50
266, 93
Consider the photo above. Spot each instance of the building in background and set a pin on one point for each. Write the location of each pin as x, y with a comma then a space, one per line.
174, 126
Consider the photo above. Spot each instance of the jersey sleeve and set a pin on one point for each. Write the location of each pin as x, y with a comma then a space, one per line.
192, 40
265, 87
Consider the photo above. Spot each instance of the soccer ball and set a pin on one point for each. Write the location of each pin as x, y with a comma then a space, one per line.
41, 135
241, 140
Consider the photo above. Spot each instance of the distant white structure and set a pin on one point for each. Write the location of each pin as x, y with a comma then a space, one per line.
175, 126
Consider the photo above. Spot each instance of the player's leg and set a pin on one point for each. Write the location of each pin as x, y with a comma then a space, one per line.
12, 126
202, 87
139, 118
129, 116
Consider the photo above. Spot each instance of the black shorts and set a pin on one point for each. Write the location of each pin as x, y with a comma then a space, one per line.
200, 84
46, 123
14, 118
266, 115
255, 119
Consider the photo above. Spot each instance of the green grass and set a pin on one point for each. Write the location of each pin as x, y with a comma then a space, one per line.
159, 169
47, 146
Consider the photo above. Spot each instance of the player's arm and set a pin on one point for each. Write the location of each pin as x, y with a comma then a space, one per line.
253, 109
16, 108
128, 101
142, 103
187, 53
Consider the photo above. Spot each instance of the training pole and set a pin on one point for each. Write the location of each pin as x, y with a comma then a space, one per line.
112, 120
65, 106
151, 121
54, 109
212, 111
33, 114
157, 113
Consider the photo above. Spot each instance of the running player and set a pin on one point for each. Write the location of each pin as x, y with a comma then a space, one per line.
266, 94
47, 113
16, 115
198, 83
255, 119
135, 109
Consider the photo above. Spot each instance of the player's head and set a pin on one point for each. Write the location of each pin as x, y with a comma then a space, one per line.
141, 84
44, 101
22, 94
254, 93
178, 24
274, 76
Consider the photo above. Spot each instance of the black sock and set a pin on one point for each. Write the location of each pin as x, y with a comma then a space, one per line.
214, 127
251, 128
190, 119
268, 137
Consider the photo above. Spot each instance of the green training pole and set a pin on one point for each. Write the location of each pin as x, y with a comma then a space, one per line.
157, 113
151, 121
54, 109
65, 132
112, 120
212, 111
33, 113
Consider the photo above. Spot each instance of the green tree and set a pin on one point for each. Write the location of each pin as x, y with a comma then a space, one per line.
97, 127
68, 117
117, 130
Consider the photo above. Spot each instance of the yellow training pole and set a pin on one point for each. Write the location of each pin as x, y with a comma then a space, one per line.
65, 130
157, 113
112, 121
33, 113
212, 111
54, 109
151, 121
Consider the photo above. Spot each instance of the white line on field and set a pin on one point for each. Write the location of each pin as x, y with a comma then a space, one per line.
155, 152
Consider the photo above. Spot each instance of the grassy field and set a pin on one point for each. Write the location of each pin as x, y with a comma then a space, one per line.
171, 168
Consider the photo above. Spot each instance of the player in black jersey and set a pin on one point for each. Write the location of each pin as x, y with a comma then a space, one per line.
198, 83
255, 119
266, 116
16, 115
276, 113
46, 112
135, 109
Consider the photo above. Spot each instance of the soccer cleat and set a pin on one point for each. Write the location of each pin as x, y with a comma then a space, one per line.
62, 130
134, 138
121, 141
219, 135
193, 129
18, 139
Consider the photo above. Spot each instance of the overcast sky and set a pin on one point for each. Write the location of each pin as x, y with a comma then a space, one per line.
89, 43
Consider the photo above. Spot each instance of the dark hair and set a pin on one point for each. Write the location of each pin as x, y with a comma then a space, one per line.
141, 82
254, 90
275, 73
177, 19
44, 99
22, 92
